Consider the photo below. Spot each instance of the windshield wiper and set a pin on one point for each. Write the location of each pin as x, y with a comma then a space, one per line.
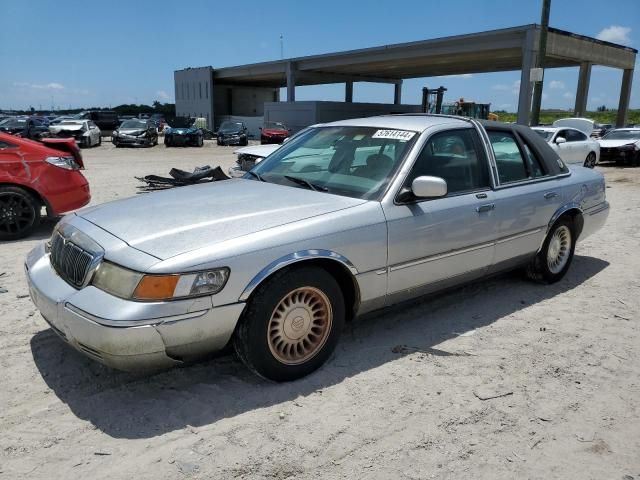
257, 175
306, 183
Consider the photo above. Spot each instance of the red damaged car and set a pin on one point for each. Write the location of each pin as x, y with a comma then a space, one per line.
35, 175
273, 132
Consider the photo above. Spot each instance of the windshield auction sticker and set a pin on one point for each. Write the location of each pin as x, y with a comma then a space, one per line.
401, 135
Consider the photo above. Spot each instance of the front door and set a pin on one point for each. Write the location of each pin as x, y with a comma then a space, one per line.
433, 241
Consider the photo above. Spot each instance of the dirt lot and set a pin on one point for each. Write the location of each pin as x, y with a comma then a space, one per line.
402, 397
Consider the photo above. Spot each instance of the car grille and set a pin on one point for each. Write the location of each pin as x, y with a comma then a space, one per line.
70, 261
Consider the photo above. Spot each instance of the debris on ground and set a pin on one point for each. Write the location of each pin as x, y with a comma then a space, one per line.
181, 178
486, 393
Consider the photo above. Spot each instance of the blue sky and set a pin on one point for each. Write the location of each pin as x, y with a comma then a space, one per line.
76, 53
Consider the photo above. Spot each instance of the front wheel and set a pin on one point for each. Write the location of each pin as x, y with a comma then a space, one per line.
590, 161
291, 324
200, 141
554, 258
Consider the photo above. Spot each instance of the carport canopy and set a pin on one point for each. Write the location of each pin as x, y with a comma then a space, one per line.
491, 51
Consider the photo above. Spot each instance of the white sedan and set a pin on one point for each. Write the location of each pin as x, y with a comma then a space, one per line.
85, 132
572, 145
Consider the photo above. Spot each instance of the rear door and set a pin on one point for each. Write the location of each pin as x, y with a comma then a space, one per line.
526, 197
444, 239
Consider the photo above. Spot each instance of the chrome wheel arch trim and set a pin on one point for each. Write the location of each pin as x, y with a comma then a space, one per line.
561, 211
296, 257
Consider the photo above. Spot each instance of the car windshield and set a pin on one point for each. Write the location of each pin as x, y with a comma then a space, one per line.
350, 161
622, 135
275, 125
230, 126
546, 134
137, 124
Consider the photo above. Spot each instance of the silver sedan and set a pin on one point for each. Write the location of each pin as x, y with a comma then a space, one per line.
346, 218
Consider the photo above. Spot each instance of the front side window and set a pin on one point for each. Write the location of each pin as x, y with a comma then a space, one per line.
509, 159
453, 156
575, 136
351, 161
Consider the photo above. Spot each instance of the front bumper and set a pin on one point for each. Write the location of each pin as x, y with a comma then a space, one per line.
133, 141
232, 140
124, 334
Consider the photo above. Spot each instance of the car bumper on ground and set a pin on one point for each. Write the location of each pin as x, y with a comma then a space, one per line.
137, 336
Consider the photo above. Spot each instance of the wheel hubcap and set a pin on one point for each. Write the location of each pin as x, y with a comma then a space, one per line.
16, 213
299, 325
559, 249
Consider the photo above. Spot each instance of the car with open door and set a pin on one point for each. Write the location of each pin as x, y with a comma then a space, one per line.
343, 219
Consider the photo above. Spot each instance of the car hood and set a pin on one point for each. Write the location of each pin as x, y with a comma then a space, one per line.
258, 150
585, 125
167, 223
132, 131
617, 143
70, 128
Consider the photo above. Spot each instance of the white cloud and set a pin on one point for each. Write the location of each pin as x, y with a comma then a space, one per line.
501, 86
615, 34
35, 86
567, 95
556, 85
162, 95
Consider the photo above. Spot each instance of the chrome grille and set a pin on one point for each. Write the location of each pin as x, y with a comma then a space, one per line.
70, 261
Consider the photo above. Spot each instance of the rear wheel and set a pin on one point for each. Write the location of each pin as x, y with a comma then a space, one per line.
200, 141
590, 161
555, 256
167, 142
99, 140
291, 324
19, 213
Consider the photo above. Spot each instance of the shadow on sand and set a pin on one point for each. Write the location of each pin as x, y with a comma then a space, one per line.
125, 405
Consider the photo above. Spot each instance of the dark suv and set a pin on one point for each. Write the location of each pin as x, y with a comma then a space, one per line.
107, 121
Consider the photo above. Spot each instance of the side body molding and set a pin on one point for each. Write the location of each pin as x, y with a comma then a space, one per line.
291, 258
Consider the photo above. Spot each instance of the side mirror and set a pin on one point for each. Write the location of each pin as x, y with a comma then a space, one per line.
560, 140
429, 187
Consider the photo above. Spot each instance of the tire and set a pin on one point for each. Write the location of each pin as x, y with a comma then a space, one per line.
590, 161
200, 141
19, 213
261, 340
555, 256
167, 142
99, 140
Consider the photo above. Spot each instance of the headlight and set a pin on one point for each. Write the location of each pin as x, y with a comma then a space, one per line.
68, 163
129, 284
114, 133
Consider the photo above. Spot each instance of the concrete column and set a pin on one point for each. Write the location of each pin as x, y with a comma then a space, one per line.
583, 89
397, 93
291, 82
625, 95
348, 92
526, 87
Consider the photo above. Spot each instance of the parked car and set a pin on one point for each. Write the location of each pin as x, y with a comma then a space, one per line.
26, 127
573, 146
107, 121
232, 133
600, 129
347, 218
274, 132
621, 145
249, 157
136, 133
183, 133
35, 175
85, 132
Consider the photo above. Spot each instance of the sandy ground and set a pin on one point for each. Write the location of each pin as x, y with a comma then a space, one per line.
402, 397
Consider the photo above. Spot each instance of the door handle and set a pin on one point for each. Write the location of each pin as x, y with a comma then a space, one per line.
487, 207
550, 195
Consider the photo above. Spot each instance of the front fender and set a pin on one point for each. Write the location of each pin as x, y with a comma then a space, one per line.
300, 256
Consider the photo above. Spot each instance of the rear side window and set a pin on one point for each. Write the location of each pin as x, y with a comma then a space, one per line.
575, 136
509, 159
453, 155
